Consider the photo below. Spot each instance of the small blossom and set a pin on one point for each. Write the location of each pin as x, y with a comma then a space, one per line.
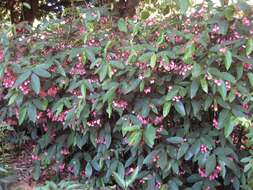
1, 54
202, 172
24, 87
147, 90
216, 29
52, 91
120, 104
35, 157
203, 148
62, 167
65, 151
215, 123
246, 21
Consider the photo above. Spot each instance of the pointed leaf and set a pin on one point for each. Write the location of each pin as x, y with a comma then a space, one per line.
132, 178
249, 46
194, 88
22, 78
179, 106
35, 83
122, 25
153, 60
250, 77
166, 108
204, 85
228, 59
210, 164
88, 170
149, 135
119, 180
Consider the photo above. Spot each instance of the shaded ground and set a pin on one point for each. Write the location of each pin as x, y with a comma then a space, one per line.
19, 163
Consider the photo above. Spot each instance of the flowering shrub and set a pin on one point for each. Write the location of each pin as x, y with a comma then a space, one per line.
157, 105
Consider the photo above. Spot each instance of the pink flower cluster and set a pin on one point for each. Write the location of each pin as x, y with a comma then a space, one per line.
246, 21
52, 91
120, 104
8, 79
142, 120
203, 148
59, 118
78, 69
214, 174
65, 151
1, 54
24, 87
94, 123
215, 123
178, 68
177, 98
100, 140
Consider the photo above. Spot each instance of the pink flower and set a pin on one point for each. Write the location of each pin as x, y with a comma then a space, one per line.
223, 50
203, 148
202, 172
246, 21
24, 87
147, 90
215, 123
120, 104
1, 54
215, 173
52, 91
217, 82
35, 157
62, 167
65, 151
216, 29
8, 79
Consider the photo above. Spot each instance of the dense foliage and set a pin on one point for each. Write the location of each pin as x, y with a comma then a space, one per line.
157, 105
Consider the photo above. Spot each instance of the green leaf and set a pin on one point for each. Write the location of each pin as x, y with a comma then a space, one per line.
196, 70
182, 150
210, 164
83, 90
32, 113
190, 49
228, 59
222, 90
175, 140
88, 170
41, 72
27, 5
153, 60
122, 25
223, 115
204, 85
103, 71
184, 5
135, 138
250, 77
119, 180
22, 115
21, 78
179, 106
133, 177
171, 94
35, 83
166, 108
194, 88
249, 46
36, 171
149, 135
229, 127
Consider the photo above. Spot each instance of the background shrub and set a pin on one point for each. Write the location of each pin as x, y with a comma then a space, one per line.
140, 104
